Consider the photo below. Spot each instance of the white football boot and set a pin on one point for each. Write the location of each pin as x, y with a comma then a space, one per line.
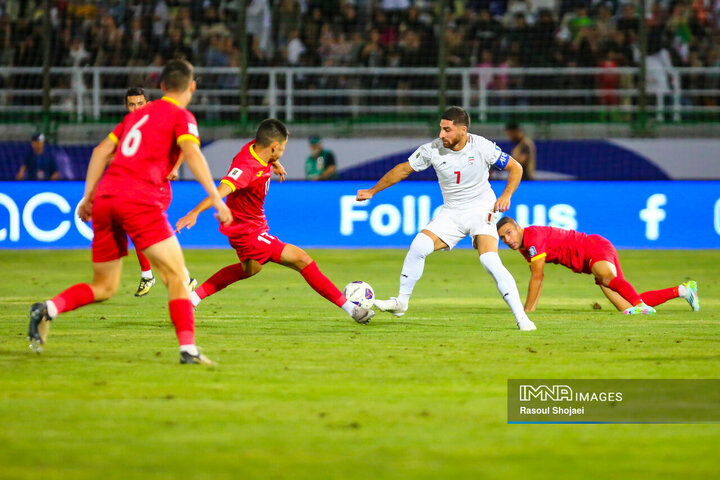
393, 305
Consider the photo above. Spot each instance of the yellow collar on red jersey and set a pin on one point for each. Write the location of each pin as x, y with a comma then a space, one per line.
171, 100
252, 152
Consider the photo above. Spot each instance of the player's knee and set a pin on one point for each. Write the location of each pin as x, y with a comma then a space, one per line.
303, 260
422, 245
103, 291
605, 279
491, 261
251, 268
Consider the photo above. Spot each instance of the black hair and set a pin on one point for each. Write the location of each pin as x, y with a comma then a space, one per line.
271, 130
457, 115
512, 126
505, 221
177, 75
136, 91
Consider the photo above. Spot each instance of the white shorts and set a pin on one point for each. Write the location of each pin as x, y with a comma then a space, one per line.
452, 225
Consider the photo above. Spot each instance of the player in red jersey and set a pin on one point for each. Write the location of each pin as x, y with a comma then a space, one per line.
245, 186
135, 97
126, 200
584, 253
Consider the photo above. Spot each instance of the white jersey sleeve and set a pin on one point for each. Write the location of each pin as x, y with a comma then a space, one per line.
490, 153
421, 158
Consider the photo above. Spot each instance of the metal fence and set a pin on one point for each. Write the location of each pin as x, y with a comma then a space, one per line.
672, 94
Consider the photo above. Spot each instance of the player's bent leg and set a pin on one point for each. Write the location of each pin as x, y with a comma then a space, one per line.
225, 277
605, 274
424, 243
487, 247
297, 259
615, 298
105, 282
168, 260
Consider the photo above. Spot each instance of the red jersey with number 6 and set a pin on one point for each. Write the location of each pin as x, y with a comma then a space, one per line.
249, 179
147, 150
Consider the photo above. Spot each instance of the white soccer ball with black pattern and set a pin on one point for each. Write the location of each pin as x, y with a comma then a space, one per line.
360, 293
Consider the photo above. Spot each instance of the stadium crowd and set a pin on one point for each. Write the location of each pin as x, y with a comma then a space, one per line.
500, 33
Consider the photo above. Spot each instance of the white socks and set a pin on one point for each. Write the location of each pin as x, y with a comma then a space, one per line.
414, 264
682, 290
146, 274
191, 349
195, 299
348, 307
51, 309
505, 282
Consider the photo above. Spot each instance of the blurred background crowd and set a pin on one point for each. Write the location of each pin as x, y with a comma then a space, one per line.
525, 33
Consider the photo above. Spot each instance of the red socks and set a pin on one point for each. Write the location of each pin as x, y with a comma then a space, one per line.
625, 290
320, 283
183, 317
144, 262
221, 279
74, 297
656, 297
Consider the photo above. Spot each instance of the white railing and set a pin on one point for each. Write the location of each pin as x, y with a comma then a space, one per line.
349, 91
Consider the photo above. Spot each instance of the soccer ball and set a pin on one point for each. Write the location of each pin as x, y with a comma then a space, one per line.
360, 293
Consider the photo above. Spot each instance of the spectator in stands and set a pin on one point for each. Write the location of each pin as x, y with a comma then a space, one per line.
523, 150
39, 162
320, 164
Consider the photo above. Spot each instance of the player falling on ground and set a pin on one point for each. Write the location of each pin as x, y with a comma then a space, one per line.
126, 200
245, 186
584, 253
462, 162
136, 98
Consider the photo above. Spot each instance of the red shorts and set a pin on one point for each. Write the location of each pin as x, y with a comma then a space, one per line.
597, 249
259, 246
114, 219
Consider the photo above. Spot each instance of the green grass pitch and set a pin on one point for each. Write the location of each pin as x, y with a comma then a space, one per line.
301, 391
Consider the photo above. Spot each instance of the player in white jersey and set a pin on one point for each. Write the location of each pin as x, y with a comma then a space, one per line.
462, 162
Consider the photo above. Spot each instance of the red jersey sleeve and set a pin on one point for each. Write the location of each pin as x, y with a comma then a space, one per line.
239, 176
186, 127
117, 132
534, 240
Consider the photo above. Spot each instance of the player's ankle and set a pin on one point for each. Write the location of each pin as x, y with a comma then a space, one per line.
195, 299
191, 349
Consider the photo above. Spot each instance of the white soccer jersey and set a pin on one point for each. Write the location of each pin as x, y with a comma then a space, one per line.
463, 175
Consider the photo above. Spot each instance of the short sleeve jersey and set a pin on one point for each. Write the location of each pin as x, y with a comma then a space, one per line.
148, 147
556, 245
462, 175
249, 179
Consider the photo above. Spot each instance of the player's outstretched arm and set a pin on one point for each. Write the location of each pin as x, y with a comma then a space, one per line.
195, 160
515, 171
101, 156
536, 279
399, 172
190, 218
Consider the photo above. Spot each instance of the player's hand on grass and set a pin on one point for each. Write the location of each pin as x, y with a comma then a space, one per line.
364, 195
188, 221
502, 204
85, 210
279, 170
223, 213
173, 175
